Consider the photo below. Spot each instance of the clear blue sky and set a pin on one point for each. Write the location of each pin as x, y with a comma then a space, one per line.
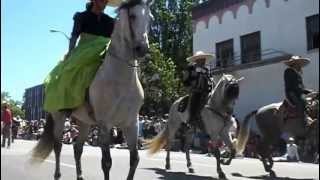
28, 50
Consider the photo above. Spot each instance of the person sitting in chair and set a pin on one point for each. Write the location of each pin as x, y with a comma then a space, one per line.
197, 80
294, 88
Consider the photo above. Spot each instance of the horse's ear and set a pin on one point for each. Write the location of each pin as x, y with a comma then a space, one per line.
122, 17
240, 79
150, 2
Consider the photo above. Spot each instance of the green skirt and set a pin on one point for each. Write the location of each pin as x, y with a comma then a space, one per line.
66, 85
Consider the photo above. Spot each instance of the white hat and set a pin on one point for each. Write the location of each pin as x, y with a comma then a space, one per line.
298, 61
201, 55
291, 139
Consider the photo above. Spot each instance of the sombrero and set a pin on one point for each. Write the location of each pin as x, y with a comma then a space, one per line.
112, 3
201, 55
297, 60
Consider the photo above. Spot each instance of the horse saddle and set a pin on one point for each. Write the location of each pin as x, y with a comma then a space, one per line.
290, 111
183, 104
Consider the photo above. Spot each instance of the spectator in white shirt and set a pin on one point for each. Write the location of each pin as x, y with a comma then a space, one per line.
292, 151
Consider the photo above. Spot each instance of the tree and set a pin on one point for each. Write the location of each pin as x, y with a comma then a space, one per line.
172, 29
171, 43
15, 106
159, 82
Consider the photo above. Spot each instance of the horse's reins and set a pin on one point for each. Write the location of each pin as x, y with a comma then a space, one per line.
225, 116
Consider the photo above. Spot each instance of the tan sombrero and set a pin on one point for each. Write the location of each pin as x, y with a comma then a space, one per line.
112, 3
201, 55
297, 60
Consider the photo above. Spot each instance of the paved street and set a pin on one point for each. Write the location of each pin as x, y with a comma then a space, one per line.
14, 166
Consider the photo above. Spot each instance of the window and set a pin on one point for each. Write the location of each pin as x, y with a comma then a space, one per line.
312, 23
250, 47
224, 52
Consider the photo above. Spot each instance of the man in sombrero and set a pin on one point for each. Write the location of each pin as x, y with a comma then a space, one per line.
294, 87
197, 80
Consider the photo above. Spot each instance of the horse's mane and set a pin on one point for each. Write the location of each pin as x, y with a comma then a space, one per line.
214, 90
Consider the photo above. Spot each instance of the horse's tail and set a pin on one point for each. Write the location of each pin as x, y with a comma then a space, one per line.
161, 140
45, 145
244, 133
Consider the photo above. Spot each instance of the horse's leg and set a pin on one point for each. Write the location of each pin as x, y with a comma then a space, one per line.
168, 166
216, 153
271, 172
104, 143
187, 149
132, 139
78, 147
265, 153
228, 141
59, 119
57, 146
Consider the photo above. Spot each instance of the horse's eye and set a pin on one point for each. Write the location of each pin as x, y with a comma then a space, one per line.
132, 17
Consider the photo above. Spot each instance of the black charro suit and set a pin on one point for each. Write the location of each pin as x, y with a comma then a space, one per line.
294, 89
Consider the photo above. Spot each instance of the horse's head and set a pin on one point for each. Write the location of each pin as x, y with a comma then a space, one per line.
227, 89
133, 24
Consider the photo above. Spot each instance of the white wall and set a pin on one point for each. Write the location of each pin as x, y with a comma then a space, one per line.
282, 27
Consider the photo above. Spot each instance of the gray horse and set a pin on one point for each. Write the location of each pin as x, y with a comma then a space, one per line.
115, 94
272, 121
216, 116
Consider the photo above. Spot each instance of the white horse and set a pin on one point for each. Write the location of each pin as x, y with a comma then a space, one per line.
115, 94
216, 116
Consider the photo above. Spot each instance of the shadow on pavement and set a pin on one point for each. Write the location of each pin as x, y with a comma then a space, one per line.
178, 175
267, 177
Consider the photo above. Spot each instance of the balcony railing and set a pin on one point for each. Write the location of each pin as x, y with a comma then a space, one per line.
266, 56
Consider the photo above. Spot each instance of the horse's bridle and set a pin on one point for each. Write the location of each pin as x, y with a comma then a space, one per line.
224, 116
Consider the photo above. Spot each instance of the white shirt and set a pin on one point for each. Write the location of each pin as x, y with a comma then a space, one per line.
292, 151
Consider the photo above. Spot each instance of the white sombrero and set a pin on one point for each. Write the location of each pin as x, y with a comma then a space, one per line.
201, 55
112, 3
297, 60
291, 139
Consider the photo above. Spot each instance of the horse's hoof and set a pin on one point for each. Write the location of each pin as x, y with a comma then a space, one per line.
225, 162
272, 174
168, 167
80, 177
222, 176
191, 170
57, 176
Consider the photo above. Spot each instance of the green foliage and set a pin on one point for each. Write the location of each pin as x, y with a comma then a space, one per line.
159, 82
171, 43
15, 106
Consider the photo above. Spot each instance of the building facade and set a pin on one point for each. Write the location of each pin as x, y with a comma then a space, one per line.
252, 38
33, 103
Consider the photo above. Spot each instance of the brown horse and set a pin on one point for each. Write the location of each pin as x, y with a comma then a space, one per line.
272, 120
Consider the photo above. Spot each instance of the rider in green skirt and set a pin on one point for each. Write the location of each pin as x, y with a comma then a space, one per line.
66, 85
